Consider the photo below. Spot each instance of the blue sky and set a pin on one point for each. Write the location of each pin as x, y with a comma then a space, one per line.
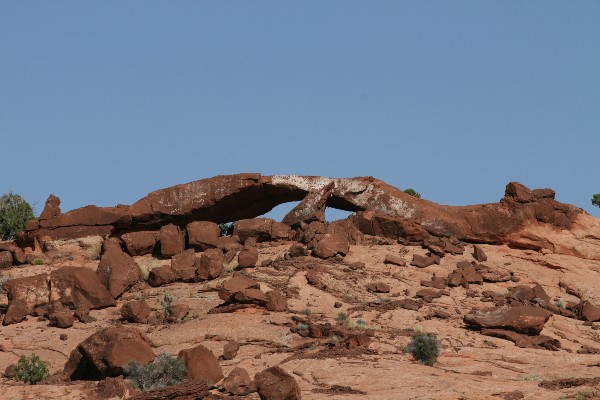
103, 102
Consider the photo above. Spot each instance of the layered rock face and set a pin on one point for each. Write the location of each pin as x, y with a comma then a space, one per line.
523, 218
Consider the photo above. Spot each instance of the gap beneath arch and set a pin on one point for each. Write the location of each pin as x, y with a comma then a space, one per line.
334, 214
278, 212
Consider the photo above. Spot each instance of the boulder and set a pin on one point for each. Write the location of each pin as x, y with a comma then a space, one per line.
586, 311
6, 259
258, 228
394, 260
211, 265
51, 209
276, 301
388, 226
79, 286
178, 312
421, 261
24, 295
276, 384
172, 240
297, 250
479, 254
331, 245
281, 231
61, 319
111, 388
137, 311
162, 275
251, 296
203, 235
378, 287
236, 284
201, 364
140, 243
238, 382
106, 352
184, 264
523, 319
230, 350
117, 271
248, 257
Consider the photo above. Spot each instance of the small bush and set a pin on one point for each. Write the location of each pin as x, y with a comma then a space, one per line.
306, 311
166, 304
413, 193
361, 323
424, 348
596, 199
14, 212
31, 369
94, 251
38, 261
164, 371
342, 317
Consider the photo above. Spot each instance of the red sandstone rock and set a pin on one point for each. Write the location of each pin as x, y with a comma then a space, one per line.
172, 240
238, 382
137, 311
162, 275
76, 286
331, 245
117, 271
523, 319
201, 364
51, 209
276, 384
259, 228
106, 352
203, 235
211, 265
184, 264
6, 259
248, 257
236, 284
140, 243
230, 350
276, 301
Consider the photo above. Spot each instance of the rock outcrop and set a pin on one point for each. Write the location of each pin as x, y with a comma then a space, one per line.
523, 218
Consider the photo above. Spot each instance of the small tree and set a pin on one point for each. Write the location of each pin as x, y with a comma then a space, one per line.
596, 199
14, 212
31, 369
167, 303
424, 348
412, 192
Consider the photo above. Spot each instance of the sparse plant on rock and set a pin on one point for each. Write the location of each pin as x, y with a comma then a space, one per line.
94, 251
30, 369
306, 311
38, 261
596, 199
14, 212
424, 347
342, 317
412, 192
167, 303
164, 371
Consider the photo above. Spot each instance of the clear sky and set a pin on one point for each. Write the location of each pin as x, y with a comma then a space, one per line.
103, 102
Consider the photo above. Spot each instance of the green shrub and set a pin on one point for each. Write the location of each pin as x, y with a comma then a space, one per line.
14, 212
412, 192
596, 199
167, 304
424, 348
38, 261
164, 371
31, 369
342, 317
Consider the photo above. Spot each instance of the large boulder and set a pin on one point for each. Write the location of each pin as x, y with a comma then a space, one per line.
185, 264
172, 240
523, 319
276, 384
238, 382
137, 311
236, 284
201, 364
211, 265
117, 271
203, 235
259, 228
24, 295
248, 257
140, 243
162, 275
79, 287
331, 245
106, 352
